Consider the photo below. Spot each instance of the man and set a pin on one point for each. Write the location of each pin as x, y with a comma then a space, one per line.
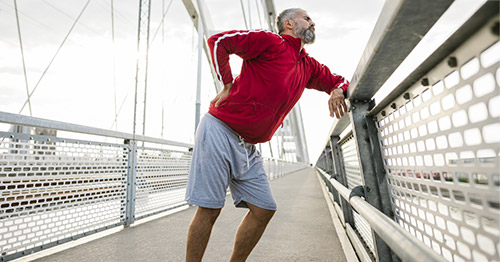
275, 71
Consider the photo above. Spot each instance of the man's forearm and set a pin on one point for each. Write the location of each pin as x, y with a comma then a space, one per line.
228, 86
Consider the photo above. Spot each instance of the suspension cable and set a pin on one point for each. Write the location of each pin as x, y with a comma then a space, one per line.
162, 21
258, 12
126, 96
249, 15
123, 102
114, 60
164, 76
30, 19
55, 55
22, 55
244, 15
70, 17
105, 5
163, 24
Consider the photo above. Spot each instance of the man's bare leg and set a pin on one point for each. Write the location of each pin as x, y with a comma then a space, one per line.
249, 232
199, 233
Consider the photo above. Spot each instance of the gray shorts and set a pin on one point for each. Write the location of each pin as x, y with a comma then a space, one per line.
221, 160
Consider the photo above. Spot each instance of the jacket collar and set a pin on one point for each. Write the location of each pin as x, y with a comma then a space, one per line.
295, 43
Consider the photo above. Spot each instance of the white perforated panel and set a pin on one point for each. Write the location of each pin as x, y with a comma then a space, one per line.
351, 162
441, 149
353, 175
53, 189
161, 179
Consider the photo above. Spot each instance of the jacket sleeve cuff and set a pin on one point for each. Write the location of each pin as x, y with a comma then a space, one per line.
337, 87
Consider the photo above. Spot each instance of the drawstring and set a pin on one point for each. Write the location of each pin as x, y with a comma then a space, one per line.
242, 143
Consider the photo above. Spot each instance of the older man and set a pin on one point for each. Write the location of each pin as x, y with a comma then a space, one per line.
276, 70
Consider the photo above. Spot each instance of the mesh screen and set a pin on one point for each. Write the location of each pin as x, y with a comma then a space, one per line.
441, 151
353, 175
161, 179
364, 230
351, 162
53, 189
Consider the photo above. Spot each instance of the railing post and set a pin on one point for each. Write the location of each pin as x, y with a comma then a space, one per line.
338, 159
372, 169
131, 175
330, 170
319, 163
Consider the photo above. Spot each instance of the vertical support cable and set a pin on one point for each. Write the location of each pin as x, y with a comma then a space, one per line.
163, 24
270, 148
114, 60
162, 118
137, 68
142, 58
164, 61
258, 12
249, 15
269, 11
55, 55
244, 15
22, 55
146, 72
198, 83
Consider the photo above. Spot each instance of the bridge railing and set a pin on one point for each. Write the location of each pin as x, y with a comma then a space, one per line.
276, 168
60, 181
427, 156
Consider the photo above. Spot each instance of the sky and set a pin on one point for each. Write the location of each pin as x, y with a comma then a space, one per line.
92, 76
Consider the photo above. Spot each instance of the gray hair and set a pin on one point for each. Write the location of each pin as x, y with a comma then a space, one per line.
287, 14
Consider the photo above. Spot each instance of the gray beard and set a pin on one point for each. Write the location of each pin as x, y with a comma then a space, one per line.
306, 34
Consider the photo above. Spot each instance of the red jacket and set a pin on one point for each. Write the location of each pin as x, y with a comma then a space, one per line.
272, 79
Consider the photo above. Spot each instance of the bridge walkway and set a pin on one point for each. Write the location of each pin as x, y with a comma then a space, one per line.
301, 230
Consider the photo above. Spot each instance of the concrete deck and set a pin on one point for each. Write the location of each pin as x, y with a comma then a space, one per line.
301, 230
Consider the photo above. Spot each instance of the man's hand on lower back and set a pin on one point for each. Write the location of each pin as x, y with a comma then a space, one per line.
336, 103
222, 94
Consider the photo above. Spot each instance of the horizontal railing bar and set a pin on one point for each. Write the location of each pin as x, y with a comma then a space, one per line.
471, 26
17, 119
41, 138
338, 126
405, 245
399, 29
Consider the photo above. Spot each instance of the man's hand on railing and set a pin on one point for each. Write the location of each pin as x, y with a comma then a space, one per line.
336, 103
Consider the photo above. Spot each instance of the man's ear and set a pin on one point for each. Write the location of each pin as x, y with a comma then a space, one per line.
289, 24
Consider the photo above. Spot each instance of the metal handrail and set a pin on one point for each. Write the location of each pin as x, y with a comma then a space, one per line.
17, 119
405, 245
401, 24
471, 26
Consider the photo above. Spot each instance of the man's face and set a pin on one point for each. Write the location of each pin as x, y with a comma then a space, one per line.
304, 27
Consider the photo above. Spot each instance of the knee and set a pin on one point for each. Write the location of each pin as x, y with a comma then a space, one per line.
208, 214
263, 215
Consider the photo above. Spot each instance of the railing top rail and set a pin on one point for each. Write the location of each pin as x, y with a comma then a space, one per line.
398, 30
338, 126
17, 119
474, 23
406, 246
396, 33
